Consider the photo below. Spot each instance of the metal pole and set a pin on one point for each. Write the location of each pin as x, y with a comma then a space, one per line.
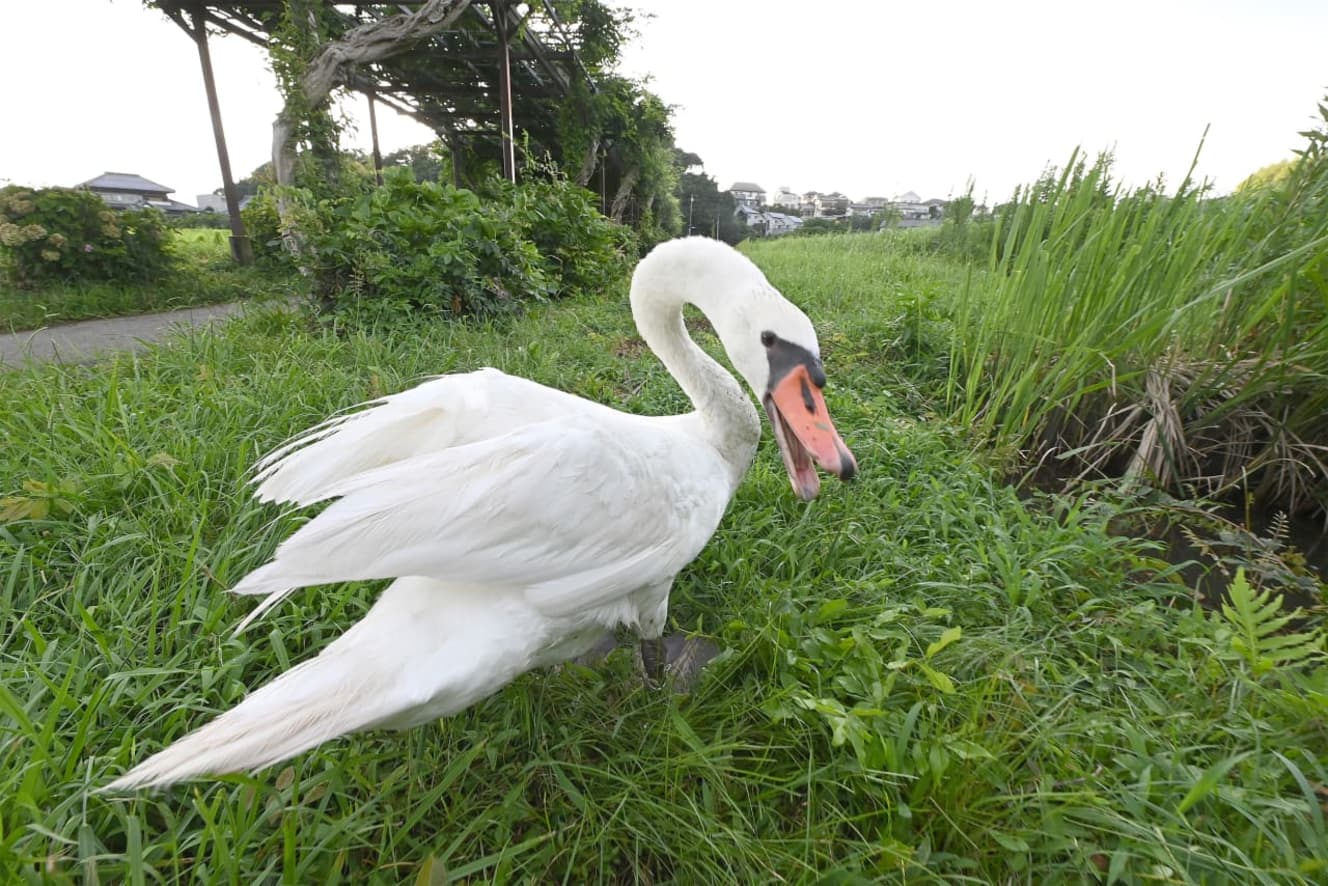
505, 91
373, 131
691, 210
241, 249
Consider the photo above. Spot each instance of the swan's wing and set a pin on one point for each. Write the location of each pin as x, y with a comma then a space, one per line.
576, 513
447, 411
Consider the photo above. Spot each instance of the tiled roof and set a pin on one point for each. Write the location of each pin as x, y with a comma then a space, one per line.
124, 181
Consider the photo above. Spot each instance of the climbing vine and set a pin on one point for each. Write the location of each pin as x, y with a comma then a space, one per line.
304, 28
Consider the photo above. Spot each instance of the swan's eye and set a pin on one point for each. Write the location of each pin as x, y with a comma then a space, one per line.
768, 338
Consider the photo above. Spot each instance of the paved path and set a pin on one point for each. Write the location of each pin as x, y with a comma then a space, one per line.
88, 340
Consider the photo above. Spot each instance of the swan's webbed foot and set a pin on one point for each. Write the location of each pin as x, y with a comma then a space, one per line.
653, 661
599, 650
677, 656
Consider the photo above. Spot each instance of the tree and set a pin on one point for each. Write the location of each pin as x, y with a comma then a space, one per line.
619, 138
440, 58
1267, 176
426, 162
861, 222
261, 177
706, 210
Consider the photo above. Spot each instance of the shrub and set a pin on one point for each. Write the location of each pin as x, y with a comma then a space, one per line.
423, 246
66, 234
814, 227
411, 246
263, 225
581, 249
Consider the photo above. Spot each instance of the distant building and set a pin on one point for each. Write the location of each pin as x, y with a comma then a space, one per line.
217, 202
782, 223
782, 196
127, 190
818, 205
907, 210
765, 223
909, 207
833, 205
748, 194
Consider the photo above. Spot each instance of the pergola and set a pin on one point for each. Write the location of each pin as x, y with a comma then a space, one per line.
458, 81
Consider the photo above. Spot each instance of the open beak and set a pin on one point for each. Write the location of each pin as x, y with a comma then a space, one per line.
805, 433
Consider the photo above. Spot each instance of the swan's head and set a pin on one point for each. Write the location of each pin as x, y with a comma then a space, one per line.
774, 348
771, 342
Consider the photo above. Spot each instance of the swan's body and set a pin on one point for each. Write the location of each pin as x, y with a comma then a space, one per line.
520, 522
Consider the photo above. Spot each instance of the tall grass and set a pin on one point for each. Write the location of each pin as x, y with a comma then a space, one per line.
1178, 338
927, 678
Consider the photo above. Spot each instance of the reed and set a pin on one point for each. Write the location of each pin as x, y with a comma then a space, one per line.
1181, 339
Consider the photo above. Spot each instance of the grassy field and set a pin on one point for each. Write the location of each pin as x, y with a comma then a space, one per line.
927, 677
205, 275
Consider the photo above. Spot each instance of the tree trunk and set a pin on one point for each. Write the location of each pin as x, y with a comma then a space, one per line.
362, 45
624, 193
589, 163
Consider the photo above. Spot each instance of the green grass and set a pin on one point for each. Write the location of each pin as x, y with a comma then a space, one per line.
927, 677
205, 275
1178, 339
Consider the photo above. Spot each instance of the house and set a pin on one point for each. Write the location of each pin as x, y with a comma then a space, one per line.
810, 204
748, 194
782, 223
127, 190
909, 206
818, 205
217, 202
833, 205
765, 223
784, 197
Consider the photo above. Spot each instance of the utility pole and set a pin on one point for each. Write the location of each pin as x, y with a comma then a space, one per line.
691, 210
505, 89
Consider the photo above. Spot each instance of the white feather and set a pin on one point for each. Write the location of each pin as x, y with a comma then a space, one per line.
520, 522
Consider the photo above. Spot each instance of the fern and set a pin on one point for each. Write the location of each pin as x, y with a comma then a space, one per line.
1259, 627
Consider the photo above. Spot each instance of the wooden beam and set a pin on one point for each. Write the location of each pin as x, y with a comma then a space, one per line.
241, 249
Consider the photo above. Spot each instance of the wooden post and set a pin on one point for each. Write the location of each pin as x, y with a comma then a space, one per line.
241, 249
373, 131
505, 90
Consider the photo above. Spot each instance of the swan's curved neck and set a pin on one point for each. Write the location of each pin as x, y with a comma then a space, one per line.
719, 399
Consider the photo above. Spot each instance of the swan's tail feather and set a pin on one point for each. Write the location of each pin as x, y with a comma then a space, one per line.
302, 708
425, 650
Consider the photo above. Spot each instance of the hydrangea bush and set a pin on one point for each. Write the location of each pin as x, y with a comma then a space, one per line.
66, 234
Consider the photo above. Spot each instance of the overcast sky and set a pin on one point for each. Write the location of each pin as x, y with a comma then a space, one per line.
868, 97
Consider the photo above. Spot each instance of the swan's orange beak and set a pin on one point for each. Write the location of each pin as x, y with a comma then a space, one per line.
805, 432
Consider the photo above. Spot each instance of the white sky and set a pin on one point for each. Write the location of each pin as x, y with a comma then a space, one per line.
868, 97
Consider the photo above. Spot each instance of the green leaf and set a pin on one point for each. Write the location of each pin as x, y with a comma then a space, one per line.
947, 637
936, 678
1009, 841
968, 750
1208, 781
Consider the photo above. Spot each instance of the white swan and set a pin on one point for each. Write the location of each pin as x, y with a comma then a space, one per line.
520, 522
